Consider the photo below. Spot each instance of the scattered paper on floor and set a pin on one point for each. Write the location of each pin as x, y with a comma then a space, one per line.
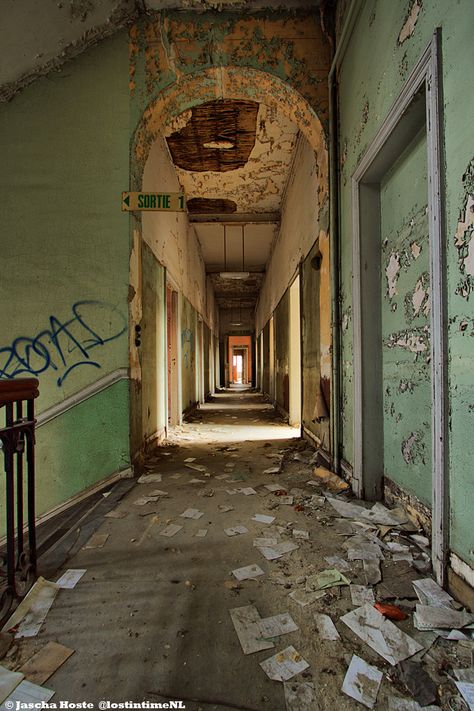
248, 491
248, 572
304, 598
284, 665
361, 594
170, 530
277, 625
32, 610
192, 513
8, 682
430, 593
28, 693
427, 617
362, 682
397, 704
246, 624
144, 500
467, 692
304, 535
274, 487
299, 696
263, 518
202, 533
326, 579
336, 562
326, 627
281, 549
70, 578
223, 508
380, 634
235, 530
45, 662
116, 514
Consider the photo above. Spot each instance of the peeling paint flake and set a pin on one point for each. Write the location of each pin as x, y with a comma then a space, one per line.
392, 271
409, 25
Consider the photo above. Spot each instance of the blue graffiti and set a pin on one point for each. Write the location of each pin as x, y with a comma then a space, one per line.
64, 345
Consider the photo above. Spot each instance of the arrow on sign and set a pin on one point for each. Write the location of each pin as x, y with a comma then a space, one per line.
127, 200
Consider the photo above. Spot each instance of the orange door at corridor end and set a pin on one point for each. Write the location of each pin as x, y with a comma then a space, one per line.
242, 344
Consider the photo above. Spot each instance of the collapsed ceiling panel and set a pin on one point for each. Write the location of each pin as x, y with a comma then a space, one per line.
258, 239
258, 185
231, 293
219, 136
210, 206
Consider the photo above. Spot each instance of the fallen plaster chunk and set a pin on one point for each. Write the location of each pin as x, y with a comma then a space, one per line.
304, 598
197, 481
262, 518
326, 628
300, 696
397, 547
277, 625
236, 530
361, 594
372, 571
116, 514
365, 550
421, 541
246, 624
467, 692
150, 479
430, 593
362, 682
326, 579
456, 635
317, 500
274, 487
192, 513
281, 549
465, 674
223, 476
8, 682
272, 470
176, 476
248, 572
32, 610
28, 695
335, 562
45, 662
70, 578
231, 492
428, 617
202, 533
284, 665
378, 514
397, 557
98, 540
189, 460
247, 490
170, 530
380, 634
301, 534
158, 493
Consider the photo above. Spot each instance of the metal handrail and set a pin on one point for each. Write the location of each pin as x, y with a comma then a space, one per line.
17, 438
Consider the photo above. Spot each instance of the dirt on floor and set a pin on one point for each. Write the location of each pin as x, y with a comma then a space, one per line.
150, 619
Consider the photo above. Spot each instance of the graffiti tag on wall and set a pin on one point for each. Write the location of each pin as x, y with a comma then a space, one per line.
66, 345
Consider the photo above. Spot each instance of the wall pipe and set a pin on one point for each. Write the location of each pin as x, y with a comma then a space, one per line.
334, 237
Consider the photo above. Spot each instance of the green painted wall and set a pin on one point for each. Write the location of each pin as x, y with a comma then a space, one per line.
206, 358
153, 345
405, 314
372, 74
65, 247
188, 353
281, 321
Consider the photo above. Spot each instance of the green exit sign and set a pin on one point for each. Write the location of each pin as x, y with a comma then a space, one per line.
166, 202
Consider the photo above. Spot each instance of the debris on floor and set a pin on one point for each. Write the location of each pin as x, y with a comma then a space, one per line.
44, 663
362, 682
284, 665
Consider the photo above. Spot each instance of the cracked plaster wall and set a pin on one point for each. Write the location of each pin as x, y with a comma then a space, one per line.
382, 51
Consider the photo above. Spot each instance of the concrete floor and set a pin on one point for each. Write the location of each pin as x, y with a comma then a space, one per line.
150, 618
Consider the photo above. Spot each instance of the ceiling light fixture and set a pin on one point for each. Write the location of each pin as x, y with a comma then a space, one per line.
234, 275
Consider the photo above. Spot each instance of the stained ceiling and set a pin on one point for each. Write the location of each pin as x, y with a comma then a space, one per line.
233, 160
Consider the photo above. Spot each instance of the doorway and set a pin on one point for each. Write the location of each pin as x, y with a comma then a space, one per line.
172, 355
295, 355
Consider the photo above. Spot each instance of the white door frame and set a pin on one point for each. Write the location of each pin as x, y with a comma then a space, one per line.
419, 104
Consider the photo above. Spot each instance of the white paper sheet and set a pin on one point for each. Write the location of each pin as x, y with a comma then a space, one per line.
192, 513
170, 530
246, 621
263, 518
236, 530
284, 665
248, 572
281, 549
326, 628
70, 578
150, 479
277, 625
362, 682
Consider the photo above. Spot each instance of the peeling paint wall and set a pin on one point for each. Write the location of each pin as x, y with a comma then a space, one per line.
188, 338
405, 322
387, 41
65, 262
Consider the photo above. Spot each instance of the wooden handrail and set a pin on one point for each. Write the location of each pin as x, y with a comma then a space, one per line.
21, 389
